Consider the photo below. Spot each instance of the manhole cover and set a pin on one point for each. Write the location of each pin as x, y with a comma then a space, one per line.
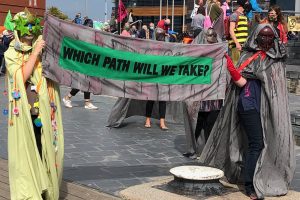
200, 173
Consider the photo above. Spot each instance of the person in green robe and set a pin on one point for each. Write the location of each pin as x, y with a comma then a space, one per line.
35, 131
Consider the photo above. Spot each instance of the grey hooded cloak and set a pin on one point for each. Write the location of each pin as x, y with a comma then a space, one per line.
228, 142
190, 111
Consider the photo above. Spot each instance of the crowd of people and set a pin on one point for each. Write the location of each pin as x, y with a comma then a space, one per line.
245, 125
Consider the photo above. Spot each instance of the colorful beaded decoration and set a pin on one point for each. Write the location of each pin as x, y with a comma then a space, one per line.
16, 111
38, 122
5, 112
53, 120
16, 94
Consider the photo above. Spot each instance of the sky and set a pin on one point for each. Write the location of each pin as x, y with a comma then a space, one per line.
95, 8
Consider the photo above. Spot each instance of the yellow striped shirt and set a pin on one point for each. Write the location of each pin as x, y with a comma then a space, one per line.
241, 31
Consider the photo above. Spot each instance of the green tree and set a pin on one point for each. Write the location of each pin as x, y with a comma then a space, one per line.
57, 13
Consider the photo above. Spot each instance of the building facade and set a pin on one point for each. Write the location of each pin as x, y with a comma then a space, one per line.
36, 7
149, 10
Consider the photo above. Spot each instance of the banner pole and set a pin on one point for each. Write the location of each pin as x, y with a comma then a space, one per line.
120, 22
160, 9
183, 17
173, 15
167, 14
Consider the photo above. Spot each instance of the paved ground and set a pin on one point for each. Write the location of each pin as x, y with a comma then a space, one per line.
113, 159
68, 190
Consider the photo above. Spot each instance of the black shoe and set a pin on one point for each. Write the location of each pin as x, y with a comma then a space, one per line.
188, 154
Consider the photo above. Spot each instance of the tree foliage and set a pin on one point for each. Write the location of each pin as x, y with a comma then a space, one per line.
57, 13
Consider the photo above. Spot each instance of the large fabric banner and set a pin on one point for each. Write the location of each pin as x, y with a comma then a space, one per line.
108, 64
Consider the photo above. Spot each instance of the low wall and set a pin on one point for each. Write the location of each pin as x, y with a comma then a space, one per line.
293, 49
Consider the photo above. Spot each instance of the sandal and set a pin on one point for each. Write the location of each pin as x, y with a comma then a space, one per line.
164, 128
253, 196
147, 125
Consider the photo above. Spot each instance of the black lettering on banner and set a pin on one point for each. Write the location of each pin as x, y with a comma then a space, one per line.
173, 69
200, 70
87, 58
181, 67
112, 64
120, 62
186, 70
193, 70
68, 52
145, 68
106, 61
126, 65
76, 55
206, 69
82, 58
96, 59
154, 70
165, 70
138, 67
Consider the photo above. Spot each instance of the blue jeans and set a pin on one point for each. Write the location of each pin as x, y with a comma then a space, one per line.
250, 120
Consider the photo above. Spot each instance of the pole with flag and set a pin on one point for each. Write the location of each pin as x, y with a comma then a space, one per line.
8, 24
122, 13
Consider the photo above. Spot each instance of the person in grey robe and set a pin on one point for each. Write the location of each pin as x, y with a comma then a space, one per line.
206, 111
252, 137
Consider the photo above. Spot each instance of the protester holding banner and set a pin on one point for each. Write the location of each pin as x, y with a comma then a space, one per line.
126, 30
160, 36
35, 130
255, 120
87, 95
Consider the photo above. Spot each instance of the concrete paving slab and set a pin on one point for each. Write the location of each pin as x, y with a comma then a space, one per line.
149, 192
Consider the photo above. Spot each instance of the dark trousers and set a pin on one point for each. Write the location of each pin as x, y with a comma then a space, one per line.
205, 121
87, 95
162, 108
250, 120
2, 65
38, 137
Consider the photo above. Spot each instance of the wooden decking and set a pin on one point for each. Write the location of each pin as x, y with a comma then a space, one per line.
68, 190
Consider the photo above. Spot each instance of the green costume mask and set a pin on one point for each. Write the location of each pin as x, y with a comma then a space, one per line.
26, 23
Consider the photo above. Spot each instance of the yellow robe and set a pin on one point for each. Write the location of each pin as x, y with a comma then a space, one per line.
29, 175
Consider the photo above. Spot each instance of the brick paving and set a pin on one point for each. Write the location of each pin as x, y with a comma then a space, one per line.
111, 160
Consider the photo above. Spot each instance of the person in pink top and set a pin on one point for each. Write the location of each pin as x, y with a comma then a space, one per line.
126, 29
225, 7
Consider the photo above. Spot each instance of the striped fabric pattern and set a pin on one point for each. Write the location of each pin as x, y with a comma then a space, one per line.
241, 32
